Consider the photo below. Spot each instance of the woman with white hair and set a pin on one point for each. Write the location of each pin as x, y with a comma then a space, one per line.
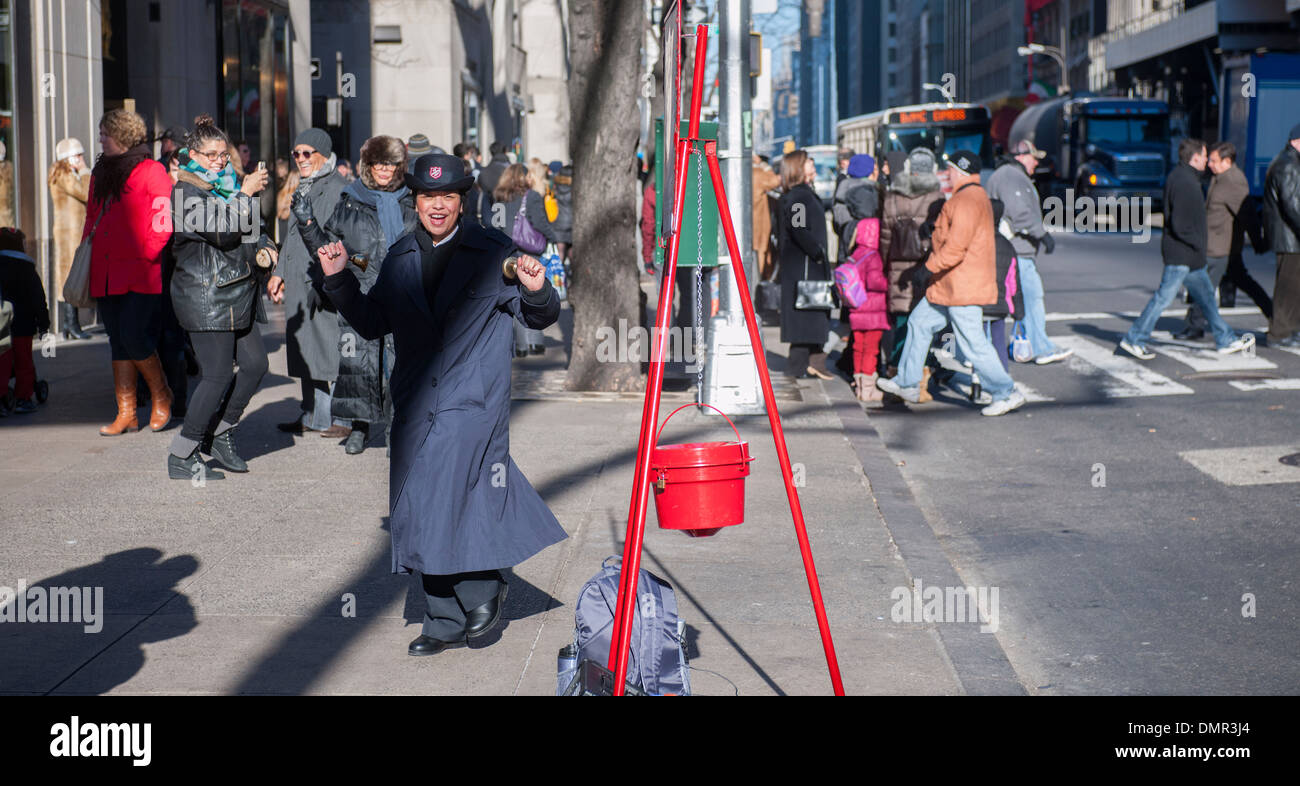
69, 181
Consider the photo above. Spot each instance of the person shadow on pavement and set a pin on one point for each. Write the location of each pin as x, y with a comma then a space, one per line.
82, 631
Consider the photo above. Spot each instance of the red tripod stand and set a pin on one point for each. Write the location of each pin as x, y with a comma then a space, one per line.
693, 145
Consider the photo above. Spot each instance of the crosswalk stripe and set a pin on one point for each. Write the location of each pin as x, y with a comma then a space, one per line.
1054, 316
1265, 384
961, 383
1119, 377
1292, 350
1201, 358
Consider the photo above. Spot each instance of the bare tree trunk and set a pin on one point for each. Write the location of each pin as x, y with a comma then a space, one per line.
605, 52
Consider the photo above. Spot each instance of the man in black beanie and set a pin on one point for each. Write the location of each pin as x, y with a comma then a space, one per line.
311, 323
1282, 227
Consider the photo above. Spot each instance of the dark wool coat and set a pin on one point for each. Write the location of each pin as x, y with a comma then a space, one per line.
1185, 236
458, 503
311, 326
801, 223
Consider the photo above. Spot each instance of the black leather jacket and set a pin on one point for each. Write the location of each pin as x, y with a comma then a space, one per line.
216, 282
1282, 202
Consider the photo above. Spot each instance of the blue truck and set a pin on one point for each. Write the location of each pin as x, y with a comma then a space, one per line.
1260, 104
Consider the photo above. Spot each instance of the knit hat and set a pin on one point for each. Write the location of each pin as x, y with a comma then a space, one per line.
861, 165
1295, 132
966, 161
317, 140
418, 145
555, 167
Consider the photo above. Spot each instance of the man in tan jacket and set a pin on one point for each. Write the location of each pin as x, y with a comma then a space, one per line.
959, 277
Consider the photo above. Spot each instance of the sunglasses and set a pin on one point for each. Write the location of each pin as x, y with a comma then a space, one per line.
300, 154
386, 165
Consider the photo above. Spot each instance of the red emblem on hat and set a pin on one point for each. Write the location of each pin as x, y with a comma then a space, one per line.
435, 172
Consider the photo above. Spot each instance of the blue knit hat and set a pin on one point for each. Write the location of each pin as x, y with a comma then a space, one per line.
861, 165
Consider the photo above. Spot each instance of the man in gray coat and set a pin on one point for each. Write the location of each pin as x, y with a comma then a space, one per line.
459, 508
311, 323
1228, 192
1024, 216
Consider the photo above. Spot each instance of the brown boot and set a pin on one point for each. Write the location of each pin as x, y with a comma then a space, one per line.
152, 371
925, 386
124, 387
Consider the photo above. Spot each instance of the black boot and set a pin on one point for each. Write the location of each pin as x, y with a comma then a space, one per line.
223, 452
70, 322
356, 442
187, 468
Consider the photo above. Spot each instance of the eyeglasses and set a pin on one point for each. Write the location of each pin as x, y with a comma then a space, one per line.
302, 154
223, 156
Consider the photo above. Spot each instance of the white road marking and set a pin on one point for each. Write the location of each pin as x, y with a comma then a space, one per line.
1119, 377
1237, 311
1265, 384
960, 382
1246, 466
1202, 357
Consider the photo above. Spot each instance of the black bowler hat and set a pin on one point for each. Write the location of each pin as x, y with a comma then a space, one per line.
439, 172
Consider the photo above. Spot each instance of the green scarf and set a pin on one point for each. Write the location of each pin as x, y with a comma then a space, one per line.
223, 183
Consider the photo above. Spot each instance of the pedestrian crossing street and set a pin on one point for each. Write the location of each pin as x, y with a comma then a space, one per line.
1108, 374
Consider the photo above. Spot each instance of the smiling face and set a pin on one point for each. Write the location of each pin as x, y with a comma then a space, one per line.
308, 160
1219, 165
439, 211
211, 154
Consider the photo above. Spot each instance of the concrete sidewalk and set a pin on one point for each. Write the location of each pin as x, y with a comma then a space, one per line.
277, 582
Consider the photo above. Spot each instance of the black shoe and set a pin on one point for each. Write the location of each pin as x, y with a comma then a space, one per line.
223, 452
426, 645
294, 427
185, 468
521, 353
356, 442
480, 620
1190, 334
536, 349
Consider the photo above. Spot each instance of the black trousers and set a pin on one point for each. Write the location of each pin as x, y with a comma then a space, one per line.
1238, 277
218, 352
1285, 321
449, 598
133, 322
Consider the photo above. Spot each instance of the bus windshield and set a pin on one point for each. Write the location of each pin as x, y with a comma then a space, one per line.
1127, 130
974, 138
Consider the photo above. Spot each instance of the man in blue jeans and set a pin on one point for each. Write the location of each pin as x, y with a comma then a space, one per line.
1182, 246
959, 278
1023, 220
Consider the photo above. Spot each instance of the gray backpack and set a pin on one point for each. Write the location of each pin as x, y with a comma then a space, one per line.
656, 661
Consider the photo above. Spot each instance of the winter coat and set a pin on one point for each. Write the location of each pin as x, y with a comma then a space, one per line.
358, 389
7, 194
564, 198
865, 203
873, 314
1282, 202
962, 257
1184, 238
1011, 299
911, 201
129, 241
801, 222
20, 285
311, 325
457, 501
216, 282
1011, 184
764, 180
68, 192
1223, 202
647, 225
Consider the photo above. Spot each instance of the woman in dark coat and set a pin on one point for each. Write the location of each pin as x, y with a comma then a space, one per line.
802, 239
215, 294
460, 510
515, 192
373, 213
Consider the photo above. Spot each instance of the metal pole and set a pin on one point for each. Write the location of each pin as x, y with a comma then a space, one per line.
728, 347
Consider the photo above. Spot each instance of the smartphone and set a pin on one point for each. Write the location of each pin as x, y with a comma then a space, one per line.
261, 166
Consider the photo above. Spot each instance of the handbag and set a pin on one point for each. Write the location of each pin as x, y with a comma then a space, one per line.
1021, 350
812, 295
76, 290
526, 237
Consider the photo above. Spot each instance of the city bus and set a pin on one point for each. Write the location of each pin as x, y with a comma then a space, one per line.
944, 128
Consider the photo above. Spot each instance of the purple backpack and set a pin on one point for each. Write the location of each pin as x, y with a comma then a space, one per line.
848, 279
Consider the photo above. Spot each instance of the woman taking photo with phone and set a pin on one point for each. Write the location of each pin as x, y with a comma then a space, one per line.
220, 267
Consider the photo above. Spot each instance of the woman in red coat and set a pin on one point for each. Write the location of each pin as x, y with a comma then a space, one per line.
132, 193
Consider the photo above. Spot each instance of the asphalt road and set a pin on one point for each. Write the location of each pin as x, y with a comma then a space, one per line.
1137, 521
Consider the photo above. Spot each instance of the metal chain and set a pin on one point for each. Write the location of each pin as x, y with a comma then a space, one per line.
699, 279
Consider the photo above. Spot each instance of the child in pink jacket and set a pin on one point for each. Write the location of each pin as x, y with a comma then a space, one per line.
870, 319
